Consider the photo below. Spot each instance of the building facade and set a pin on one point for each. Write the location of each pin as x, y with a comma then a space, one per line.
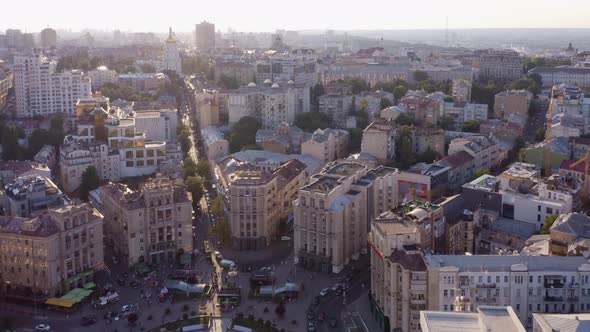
51, 253
205, 33
327, 144
40, 90
501, 65
151, 225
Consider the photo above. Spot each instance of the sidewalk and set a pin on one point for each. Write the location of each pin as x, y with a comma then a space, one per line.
361, 307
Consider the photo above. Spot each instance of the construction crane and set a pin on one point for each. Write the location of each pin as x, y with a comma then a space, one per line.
549, 122
586, 160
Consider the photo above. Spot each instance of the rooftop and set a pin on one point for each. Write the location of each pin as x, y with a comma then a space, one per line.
562, 322
487, 319
212, 134
409, 260
40, 226
493, 263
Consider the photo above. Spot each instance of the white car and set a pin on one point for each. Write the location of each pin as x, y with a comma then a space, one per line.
325, 291
126, 308
42, 327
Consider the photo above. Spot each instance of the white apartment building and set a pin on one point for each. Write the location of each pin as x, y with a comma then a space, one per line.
75, 158
216, 146
103, 75
50, 253
485, 150
578, 76
461, 112
327, 144
272, 104
160, 125
411, 282
150, 225
42, 91
333, 212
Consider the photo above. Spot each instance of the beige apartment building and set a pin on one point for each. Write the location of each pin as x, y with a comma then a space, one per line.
150, 225
379, 140
327, 144
51, 253
512, 101
258, 199
333, 212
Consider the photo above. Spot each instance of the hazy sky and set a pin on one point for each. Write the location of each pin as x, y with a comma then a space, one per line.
269, 15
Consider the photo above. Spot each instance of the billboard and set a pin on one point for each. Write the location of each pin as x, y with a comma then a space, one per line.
412, 191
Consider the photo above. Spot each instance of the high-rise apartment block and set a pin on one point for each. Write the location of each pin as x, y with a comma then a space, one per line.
40, 90
205, 33
48, 38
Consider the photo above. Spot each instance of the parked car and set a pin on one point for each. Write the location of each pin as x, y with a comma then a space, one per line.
134, 284
325, 291
88, 320
332, 322
218, 255
115, 260
42, 327
310, 315
310, 327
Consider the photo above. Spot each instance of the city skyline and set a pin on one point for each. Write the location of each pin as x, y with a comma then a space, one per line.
499, 14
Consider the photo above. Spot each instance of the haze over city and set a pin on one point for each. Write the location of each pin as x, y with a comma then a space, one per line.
303, 166
268, 15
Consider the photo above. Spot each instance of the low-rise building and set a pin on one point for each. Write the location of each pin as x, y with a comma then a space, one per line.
103, 75
9, 170
142, 82
158, 125
50, 253
286, 139
216, 146
461, 112
151, 225
46, 155
379, 140
495, 235
32, 194
512, 101
485, 150
573, 322
327, 144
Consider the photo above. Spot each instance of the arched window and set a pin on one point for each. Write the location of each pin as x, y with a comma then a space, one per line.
312, 202
321, 203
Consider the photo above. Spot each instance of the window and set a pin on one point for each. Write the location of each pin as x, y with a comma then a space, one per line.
539, 208
549, 210
505, 278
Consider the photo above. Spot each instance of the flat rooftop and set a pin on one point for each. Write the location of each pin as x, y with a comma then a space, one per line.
495, 263
487, 319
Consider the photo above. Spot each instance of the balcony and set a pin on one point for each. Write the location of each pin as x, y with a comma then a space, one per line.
485, 285
552, 298
485, 299
554, 284
572, 298
462, 299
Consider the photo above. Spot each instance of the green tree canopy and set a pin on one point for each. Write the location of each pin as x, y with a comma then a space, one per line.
384, 103
147, 68
190, 167
528, 84
243, 133
420, 75
194, 184
540, 134
480, 172
405, 119
311, 121
204, 169
228, 82
358, 85
90, 181
548, 223
447, 122
471, 126
11, 150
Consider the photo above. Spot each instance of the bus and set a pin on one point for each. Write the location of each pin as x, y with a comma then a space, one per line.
207, 248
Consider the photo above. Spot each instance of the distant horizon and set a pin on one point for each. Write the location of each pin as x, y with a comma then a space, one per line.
306, 15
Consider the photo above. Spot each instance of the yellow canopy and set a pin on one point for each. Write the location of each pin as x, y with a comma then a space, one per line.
60, 302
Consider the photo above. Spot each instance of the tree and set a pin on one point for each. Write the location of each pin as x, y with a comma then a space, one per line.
447, 122
480, 172
311, 121
471, 126
405, 120
316, 91
243, 133
38, 139
228, 82
399, 92
217, 208
427, 156
384, 103
356, 139
548, 223
132, 318
528, 84
204, 169
56, 130
358, 85
404, 151
352, 109
190, 167
11, 150
147, 68
540, 134
420, 75
90, 181
221, 228
194, 184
